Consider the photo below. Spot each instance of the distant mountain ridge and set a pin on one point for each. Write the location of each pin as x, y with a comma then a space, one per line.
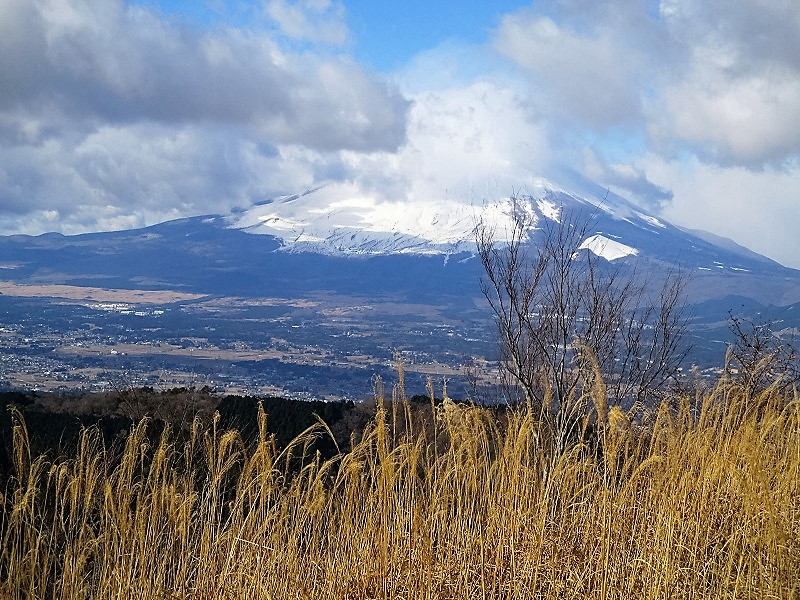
321, 223
317, 241
344, 279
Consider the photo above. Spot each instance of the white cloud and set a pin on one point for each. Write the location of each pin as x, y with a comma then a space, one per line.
581, 74
710, 83
758, 209
312, 20
129, 175
112, 114
716, 78
466, 143
748, 121
102, 61
465, 139
736, 99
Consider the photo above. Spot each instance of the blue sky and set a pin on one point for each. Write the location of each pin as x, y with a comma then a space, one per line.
384, 34
389, 34
122, 113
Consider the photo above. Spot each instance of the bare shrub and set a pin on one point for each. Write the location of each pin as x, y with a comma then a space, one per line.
760, 357
555, 304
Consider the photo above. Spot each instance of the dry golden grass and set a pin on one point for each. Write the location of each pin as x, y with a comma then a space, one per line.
701, 504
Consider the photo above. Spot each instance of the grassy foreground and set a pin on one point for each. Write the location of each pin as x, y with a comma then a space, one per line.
700, 503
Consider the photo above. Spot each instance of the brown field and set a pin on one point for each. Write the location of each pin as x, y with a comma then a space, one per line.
71, 292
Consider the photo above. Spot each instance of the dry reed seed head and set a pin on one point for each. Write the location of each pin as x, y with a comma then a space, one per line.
21, 451
595, 382
619, 424
379, 395
547, 402
401, 374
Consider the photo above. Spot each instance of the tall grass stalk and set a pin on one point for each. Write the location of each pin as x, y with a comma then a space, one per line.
702, 501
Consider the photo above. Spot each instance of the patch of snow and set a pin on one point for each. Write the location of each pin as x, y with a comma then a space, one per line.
339, 219
359, 225
549, 209
651, 220
307, 238
607, 248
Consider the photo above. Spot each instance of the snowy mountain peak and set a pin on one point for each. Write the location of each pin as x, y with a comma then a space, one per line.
332, 221
361, 225
325, 222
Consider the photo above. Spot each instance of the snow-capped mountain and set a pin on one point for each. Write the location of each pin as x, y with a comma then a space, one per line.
352, 275
315, 222
323, 223
323, 240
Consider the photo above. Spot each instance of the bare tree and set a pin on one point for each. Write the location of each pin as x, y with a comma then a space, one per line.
557, 305
760, 357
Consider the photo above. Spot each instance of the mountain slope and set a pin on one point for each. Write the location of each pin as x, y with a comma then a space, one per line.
330, 291
316, 241
321, 223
